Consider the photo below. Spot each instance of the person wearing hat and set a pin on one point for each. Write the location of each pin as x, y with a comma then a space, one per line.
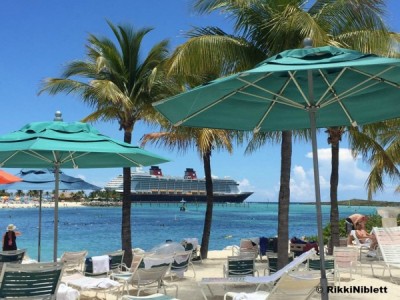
10, 238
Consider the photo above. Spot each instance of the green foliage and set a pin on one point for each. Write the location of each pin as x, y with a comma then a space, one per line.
373, 220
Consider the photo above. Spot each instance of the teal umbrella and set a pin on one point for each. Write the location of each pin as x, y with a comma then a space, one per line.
296, 89
60, 144
44, 179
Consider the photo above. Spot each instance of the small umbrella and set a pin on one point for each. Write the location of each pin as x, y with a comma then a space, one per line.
44, 179
8, 178
296, 89
60, 144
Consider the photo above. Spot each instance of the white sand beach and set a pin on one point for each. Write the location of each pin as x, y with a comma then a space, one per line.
213, 267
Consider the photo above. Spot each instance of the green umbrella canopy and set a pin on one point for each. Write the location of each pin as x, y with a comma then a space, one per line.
296, 89
348, 88
71, 145
59, 144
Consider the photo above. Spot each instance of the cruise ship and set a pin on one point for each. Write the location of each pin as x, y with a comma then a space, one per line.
154, 187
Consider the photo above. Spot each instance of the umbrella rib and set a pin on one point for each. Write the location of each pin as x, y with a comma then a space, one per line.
265, 115
131, 160
8, 158
37, 155
202, 110
299, 88
352, 90
330, 85
333, 91
286, 101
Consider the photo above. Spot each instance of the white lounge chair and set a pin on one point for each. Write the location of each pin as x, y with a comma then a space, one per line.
364, 248
74, 261
255, 281
293, 285
389, 245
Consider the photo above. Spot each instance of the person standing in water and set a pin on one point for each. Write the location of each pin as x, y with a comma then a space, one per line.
10, 238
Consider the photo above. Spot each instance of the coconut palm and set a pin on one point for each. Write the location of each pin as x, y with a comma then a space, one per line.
379, 145
119, 83
263, 28
205, 141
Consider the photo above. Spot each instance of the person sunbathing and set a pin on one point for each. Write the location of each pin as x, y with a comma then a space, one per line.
364, 237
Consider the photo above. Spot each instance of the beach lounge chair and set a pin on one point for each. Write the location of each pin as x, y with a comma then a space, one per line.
154, 297
33, 281
239, 266
389, 246
94, 284
363, 247
145, 277
294, 285
98, 266
13, 256
346, 259
74, 261
247, 246
181, 263
117, 261
256, 281
193, 244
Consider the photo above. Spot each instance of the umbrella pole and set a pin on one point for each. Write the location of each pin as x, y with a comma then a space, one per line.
40, 223
324, 281
57, 185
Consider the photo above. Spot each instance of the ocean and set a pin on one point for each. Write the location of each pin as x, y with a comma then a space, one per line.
98, 229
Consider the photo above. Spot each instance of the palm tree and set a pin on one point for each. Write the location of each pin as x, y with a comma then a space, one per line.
264, 28
119, 83
379, 145
205, 141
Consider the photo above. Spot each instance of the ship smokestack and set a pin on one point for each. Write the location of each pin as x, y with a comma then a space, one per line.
155, 170
190, 174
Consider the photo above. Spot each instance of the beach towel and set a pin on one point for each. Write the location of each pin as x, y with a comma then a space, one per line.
87, 283
251, 296
101, 264
67, 293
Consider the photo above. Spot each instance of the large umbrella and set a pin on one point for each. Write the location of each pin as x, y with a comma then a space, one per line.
44, 179
68, 145
6, 178
296, 89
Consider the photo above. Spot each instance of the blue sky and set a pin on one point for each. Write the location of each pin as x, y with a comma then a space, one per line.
39, 37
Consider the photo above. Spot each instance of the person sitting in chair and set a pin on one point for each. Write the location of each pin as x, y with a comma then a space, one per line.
364, 237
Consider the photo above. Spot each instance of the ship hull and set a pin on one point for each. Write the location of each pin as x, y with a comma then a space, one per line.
165, 198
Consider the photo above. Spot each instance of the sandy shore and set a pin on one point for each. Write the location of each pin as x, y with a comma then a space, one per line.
213, 266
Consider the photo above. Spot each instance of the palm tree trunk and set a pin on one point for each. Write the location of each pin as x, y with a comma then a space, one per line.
334, 138
284, 199
210, 201
126, 235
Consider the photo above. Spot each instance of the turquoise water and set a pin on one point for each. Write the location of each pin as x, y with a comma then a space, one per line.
97, 229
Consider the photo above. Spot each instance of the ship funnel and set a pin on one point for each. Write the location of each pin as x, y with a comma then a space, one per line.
155, 170
190, 174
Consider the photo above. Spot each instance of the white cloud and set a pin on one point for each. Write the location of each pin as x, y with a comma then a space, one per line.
352, 177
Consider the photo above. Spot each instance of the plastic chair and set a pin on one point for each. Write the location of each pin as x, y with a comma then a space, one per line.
238, 266
181, 263
117, 261
40, 280
346, 259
